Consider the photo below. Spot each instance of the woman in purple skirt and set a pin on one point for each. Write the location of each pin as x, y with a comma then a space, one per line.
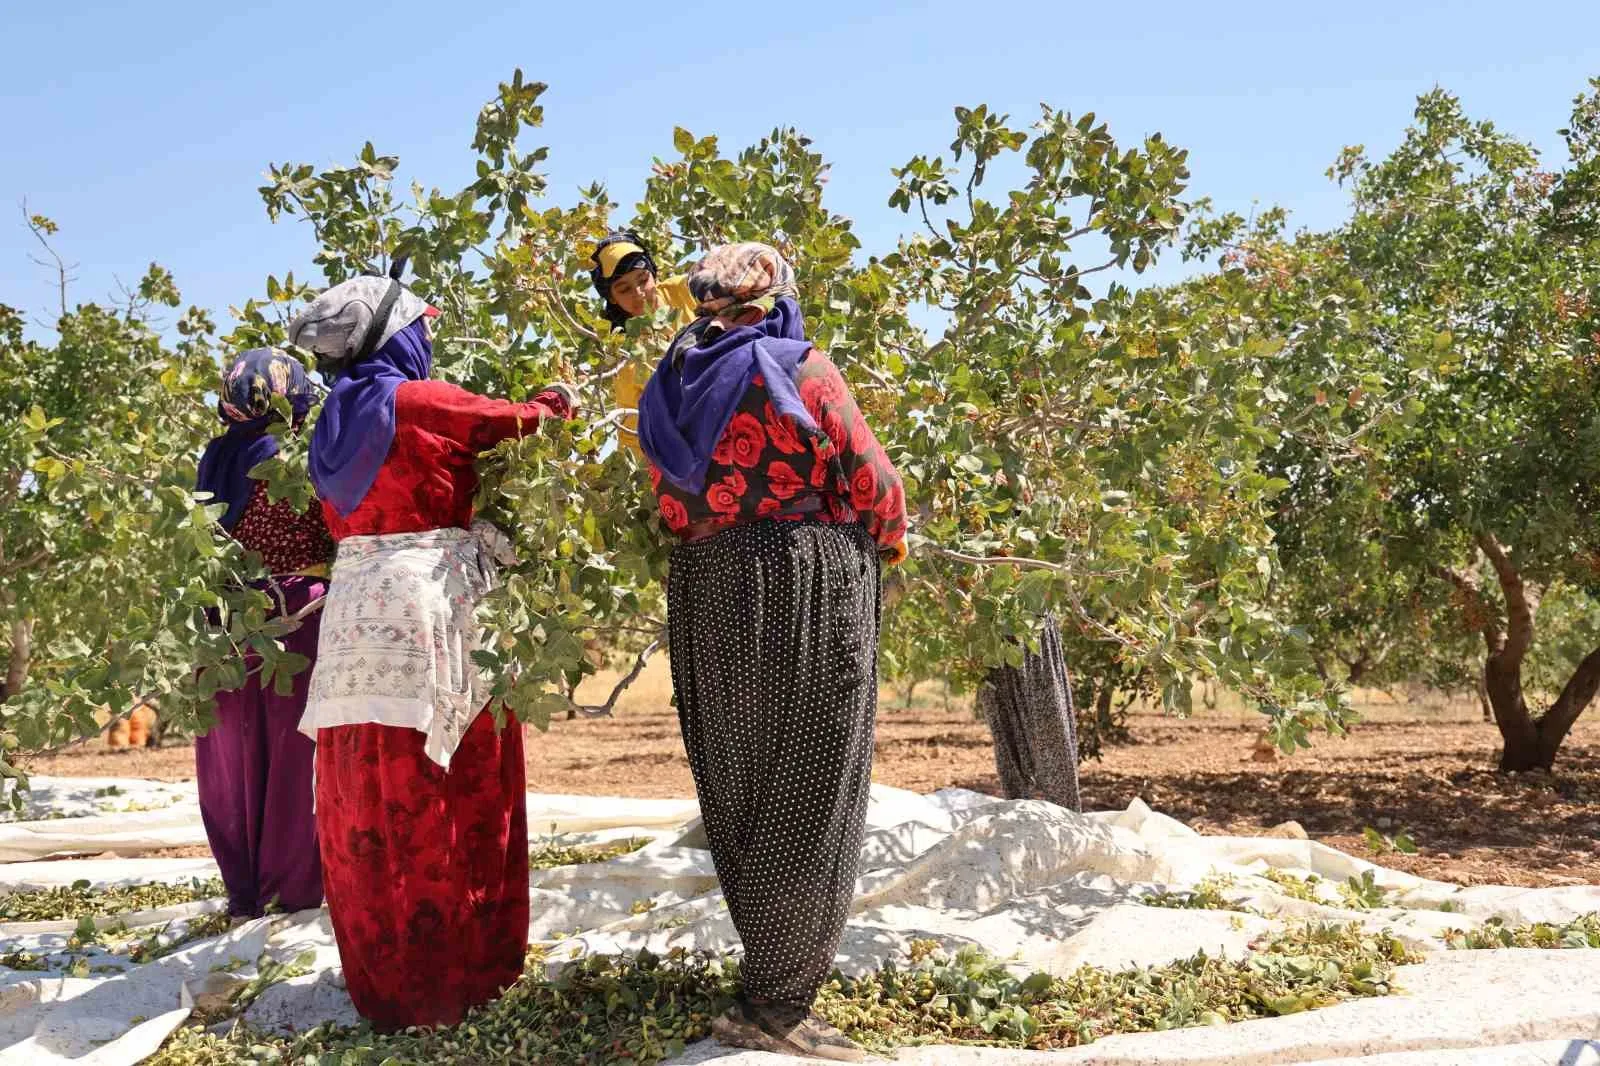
254, 766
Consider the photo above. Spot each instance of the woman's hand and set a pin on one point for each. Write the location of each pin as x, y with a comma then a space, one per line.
568, 395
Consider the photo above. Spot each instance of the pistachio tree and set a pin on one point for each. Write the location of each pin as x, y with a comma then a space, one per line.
109, 564
1451, 326
1071, 444
1091, 452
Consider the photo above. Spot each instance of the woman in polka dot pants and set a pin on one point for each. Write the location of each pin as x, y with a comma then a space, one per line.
785, 502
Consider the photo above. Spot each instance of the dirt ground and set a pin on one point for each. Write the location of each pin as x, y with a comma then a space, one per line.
1427, 770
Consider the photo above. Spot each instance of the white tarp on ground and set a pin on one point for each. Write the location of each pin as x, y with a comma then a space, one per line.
1053, 889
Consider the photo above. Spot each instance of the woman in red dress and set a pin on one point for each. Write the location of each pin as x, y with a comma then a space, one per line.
420, 793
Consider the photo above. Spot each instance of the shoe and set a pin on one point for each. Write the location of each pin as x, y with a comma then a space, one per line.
829, 1042
785, 1030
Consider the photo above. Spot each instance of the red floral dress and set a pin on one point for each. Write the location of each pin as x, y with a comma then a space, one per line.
766, 467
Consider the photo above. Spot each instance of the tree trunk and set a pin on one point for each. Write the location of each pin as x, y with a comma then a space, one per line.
911, 690
1503, 682
1507, 648
1483, 699
17, 662
1575, 697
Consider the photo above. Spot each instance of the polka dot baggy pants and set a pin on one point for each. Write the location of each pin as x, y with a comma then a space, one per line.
773, 629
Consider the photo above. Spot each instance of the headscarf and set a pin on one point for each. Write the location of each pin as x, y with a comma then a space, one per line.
341, 326
696, 390
369, 357
620, 252
748, 273
244, 404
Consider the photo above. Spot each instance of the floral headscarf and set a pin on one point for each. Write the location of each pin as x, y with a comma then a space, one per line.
244, 403
693, 394
255, 378
748, 274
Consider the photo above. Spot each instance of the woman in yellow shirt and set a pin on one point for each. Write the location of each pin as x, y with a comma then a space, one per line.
625, 277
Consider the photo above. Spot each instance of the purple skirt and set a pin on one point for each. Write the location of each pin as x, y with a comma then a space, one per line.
254, 770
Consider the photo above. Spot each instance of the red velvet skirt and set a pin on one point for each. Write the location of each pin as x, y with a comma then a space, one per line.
425, 870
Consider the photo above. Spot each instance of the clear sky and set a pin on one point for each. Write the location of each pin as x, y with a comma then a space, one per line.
144, 128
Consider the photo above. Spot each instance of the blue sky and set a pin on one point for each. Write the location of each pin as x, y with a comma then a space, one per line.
144, 129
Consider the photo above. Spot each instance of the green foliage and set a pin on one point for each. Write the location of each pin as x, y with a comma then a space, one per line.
550, 853
1206, 895
1361, 893
645, 1009
1449, 332
176, 935
1110, 440
1382, 844
24, 960
1302, 888
81, 900
1256, 476
108, 562
1581, 932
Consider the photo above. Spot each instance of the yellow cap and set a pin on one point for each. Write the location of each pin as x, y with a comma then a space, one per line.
614, 253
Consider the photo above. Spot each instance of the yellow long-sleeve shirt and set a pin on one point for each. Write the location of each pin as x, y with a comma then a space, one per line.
628, 385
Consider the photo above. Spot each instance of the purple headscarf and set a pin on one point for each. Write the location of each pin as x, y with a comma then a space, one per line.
694, 393
244, 402
356, 427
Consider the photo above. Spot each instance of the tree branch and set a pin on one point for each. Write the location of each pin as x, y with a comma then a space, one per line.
603, 710
18, 657
992, 560
552, 299
25, 564
61, 267
617, 414
1062, 279
1519, 609
1575, 697
922, 202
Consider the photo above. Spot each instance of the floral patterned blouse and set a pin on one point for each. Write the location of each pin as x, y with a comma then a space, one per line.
766, 467
287, 540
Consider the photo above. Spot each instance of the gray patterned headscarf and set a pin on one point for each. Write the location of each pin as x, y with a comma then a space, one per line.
334, 325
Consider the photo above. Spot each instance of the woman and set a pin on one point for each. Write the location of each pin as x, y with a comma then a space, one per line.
420, 794
254, 767
783, 500
624, 275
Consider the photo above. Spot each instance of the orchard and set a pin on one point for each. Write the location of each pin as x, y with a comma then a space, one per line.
1359, 457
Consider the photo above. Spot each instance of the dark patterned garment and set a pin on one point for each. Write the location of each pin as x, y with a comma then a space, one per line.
426, 869
773, 634
1030, 714
765, 467
287, 540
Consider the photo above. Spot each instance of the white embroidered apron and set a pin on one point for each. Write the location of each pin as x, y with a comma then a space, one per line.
398, 633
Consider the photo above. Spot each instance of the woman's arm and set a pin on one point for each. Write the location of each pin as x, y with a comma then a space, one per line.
872, 484
479, 422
